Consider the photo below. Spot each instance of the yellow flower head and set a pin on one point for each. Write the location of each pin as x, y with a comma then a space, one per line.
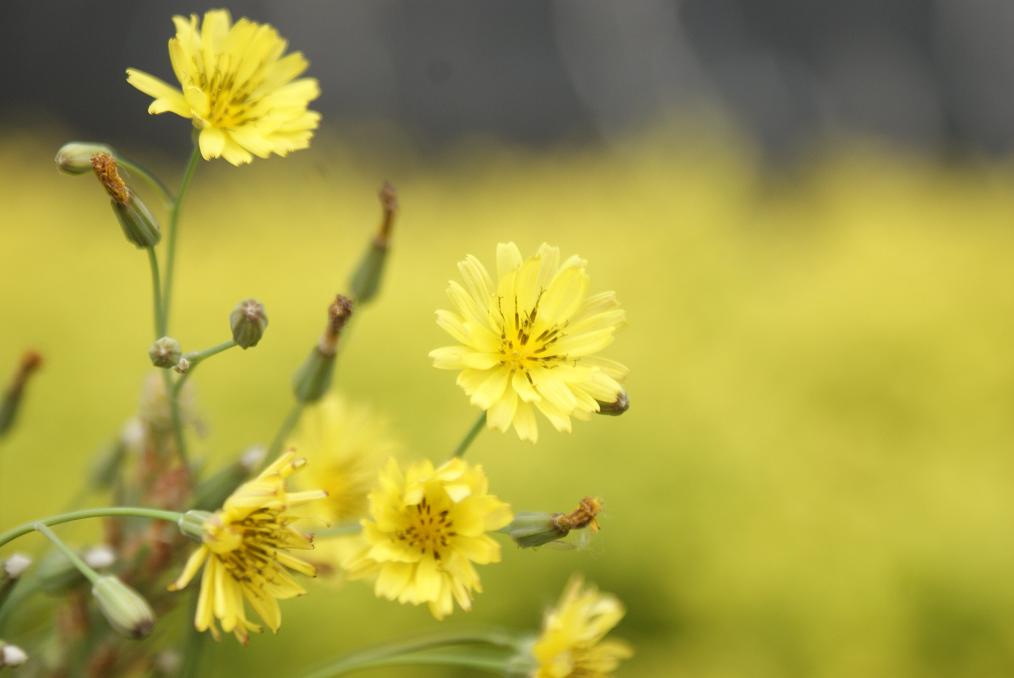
239, 90
528, 340
571, 643
426, 529
346, 446
245, 553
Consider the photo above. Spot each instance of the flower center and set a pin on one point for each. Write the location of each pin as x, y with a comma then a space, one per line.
229, 101
248, 547
428, 530
530, 344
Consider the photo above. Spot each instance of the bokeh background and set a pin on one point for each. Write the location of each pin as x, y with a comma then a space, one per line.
805, 207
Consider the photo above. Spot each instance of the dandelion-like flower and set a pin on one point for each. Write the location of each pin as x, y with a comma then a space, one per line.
245, 553
572, 640
528, 341
236, 86
346, 446
426, 529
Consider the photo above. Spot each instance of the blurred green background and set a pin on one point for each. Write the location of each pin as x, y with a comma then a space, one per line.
814, 475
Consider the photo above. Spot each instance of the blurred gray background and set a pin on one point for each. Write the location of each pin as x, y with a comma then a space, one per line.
934, 74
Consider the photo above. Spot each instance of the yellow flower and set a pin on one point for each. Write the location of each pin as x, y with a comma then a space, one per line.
245, 553
528, 341
426, 529
239, 90
346, 446
571, 643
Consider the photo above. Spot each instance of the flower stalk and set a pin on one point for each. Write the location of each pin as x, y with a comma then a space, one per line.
470, 436
104, 512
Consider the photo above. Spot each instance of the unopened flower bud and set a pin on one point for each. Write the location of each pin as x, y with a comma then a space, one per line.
124, 608
365, 281
617, 407
191, 524
75, 157
165, 352
135, 218
182, 366
13, 395
11, 655
248, 322
531, 529
15, 566
314, 378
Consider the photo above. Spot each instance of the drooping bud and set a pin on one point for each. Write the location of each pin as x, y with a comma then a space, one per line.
314, 378
248, 322
11, 403
165, 352
75, 157
124, 608
191, 524
617, 407
11, 655
531, 529
365, 281
135, 218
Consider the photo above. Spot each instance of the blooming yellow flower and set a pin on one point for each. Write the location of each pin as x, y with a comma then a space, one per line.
571, 643
239, 90
346, 446
245, 553
426, 529
528, 341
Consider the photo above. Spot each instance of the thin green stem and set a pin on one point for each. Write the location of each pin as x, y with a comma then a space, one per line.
174, 220
105, 512
195, 358
156, 294
466, 442
81, 565
291, 419
175, 418
498, 665
396, 651
151, 179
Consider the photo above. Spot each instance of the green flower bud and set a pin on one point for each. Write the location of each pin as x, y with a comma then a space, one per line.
137, 222
313, 379
75, 157
248, 322
365, 281
11, 655
617, 407
531, 529
124, 608
191, 524
165, 352
12, 396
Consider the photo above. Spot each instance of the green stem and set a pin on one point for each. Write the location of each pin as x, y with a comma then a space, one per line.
463, 446
174, 220
105, 512
398, 651
498, 665
81, 565
156, 294
291, 419
195, 358
150, 178
175, 418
